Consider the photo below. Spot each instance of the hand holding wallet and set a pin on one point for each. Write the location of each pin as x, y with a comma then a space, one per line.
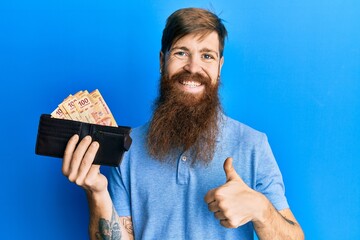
84, 114
53, 135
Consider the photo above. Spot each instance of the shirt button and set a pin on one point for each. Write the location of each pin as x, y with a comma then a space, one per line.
183, 158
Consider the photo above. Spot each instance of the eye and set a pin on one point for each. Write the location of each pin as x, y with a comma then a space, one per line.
208, 56
180, 54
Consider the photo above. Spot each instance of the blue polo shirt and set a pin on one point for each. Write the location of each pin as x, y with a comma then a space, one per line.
166, 201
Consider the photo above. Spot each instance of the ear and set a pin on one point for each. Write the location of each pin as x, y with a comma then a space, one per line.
221, 63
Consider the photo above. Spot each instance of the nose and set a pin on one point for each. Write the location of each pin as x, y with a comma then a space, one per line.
193, 65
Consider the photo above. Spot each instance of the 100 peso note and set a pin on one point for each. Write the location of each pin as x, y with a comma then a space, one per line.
85, 107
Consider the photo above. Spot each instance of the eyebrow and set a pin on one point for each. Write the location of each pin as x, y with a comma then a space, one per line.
179, 48
203, 50
209, 50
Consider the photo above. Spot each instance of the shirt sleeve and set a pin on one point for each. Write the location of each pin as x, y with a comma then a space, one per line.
119, 188
269, 180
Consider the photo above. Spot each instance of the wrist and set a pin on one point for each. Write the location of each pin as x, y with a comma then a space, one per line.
263, 215
96, 196
99, 203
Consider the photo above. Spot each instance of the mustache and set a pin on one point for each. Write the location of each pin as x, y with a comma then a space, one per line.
186, 76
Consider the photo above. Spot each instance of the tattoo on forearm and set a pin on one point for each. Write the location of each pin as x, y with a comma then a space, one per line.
289, 221
286, 219
128, 225
109, 230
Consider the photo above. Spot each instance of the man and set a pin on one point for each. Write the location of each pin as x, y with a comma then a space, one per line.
192, 172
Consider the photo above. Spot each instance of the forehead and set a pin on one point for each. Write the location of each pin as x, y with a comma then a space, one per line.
199, 40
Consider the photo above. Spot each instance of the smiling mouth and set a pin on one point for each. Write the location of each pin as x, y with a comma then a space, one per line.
191, 84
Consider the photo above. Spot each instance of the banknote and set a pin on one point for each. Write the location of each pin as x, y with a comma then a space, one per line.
106, 116
84, 104
69, 105
85, 107
58, 113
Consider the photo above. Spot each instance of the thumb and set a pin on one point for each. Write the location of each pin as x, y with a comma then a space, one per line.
230, 172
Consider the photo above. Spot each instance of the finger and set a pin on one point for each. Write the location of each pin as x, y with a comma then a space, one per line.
209, 197
86, 162
92, 176
93, 172
69, 150
219, 215
230, 172
232, 223
228, 223
213, 206
77, 157
225, 223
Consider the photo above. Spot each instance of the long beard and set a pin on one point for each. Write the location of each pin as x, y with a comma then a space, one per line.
184, 121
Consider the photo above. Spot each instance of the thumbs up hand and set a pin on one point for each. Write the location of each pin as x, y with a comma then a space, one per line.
234, 203
231, 174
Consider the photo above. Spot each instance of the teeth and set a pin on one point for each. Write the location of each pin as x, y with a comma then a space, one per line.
191, 83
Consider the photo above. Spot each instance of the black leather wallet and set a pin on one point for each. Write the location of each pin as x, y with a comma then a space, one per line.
53, 135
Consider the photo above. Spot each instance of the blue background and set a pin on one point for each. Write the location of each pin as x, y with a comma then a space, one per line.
292, 70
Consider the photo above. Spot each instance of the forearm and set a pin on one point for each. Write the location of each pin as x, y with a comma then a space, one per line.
104, 221
275, 226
